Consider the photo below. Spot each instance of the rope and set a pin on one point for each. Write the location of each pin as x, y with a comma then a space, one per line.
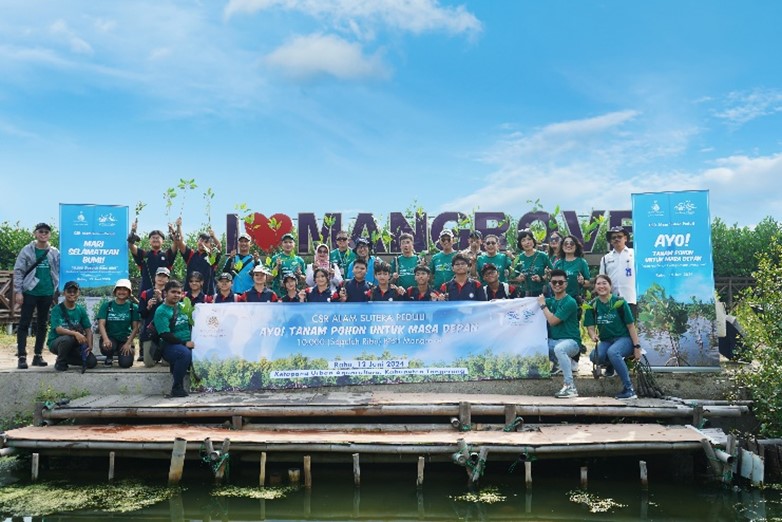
513, 424
215, 465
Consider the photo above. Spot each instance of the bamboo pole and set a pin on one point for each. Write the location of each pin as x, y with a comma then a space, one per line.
528, 474
483, 454
307, 472
262, 474
237, 422
307, 503
584, 481
223, 455
531, 410
356, 471
644, 475
111, 466
34, 470
697, 416
420, 477
177, 461
356, 502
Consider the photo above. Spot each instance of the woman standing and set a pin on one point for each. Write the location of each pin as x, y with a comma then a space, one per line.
571, 260
322, 260
616, 333
530, 266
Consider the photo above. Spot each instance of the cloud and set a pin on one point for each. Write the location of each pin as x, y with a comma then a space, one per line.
415, 16
14, 131
60, 29
317, 54
744, 106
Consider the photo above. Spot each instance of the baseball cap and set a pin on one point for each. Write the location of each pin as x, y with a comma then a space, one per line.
163, 270
261, 269
245, 235
204, 236
476, 234
225, 276
288, 235
487, 267
42, 226
446, 232
71, 284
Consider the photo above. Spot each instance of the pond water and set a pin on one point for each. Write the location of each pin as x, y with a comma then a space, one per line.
390, 493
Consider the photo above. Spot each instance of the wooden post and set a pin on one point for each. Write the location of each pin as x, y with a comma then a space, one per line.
224, 457
697, 416
356, 502
711, 458
511, 412
584, 481
111, 466
528, 474
177, 461
294, 476
480, 465
262, 478
307, 503
420, 479
356, 471
731, 447
38, 414
237, 422
419, 496
465, 417
307, 472
644, 475
34, 471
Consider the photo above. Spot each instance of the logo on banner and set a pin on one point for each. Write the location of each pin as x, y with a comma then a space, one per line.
655, 210
80, 221
685, 207
107, 220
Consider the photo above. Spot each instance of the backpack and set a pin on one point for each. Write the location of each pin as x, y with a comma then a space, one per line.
156, 350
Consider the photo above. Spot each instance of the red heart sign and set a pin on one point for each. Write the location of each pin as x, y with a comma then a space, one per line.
263, 234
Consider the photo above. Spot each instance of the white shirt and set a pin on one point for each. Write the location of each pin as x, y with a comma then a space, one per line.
619, 267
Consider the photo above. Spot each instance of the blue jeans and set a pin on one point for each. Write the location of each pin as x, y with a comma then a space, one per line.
562, 351
615, 351
178, 357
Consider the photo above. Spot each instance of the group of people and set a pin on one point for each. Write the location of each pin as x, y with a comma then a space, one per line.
558, 278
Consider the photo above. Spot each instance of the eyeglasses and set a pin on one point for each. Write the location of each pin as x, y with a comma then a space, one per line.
445, 238
491, 242
460, 263
342, 239
558, 282
554, 239
568, 243
617, 238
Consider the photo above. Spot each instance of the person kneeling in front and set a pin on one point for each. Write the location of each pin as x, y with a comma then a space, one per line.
564, 335
68, 337
118, 324
173, 327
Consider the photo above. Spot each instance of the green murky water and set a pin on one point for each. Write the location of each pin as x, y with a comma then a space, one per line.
385, 493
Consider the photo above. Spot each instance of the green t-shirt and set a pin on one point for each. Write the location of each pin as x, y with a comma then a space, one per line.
500, 260
536, 264
566, 310
405, 267
440, 265
43, 272
119, 318
77, 316
288, 266
608, 318
572, 268
162, 321
343, 259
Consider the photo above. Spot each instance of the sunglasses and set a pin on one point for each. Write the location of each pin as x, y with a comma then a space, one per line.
491, 242
554, 239
558, 282
342, 239
617, 238
568, 243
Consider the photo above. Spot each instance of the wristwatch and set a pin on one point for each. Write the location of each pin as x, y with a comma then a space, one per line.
636, 346
543, 307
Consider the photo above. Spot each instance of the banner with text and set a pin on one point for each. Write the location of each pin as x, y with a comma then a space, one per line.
250, 346
675, 278
93, 246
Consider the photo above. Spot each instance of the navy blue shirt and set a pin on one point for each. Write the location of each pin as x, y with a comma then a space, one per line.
470, 291
148, 261
199, 262
356, 292
414, 294
230, 298
390, 295
501, 293
315, 296
254, 296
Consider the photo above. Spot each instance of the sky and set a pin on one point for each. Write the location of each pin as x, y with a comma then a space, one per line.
379, 105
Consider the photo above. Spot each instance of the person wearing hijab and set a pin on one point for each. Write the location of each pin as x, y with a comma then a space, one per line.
322, 260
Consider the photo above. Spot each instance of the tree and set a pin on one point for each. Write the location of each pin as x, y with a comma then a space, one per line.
760, 313
13, 238
735, 248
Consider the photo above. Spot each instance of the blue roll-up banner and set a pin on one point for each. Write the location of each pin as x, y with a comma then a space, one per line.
248, 346
675, 278
93, 246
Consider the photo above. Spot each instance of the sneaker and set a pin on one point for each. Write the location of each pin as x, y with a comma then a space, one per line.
38, 361
566, 392
108, 362
60, 367
609, 372
556, 370
22, 364
626, 395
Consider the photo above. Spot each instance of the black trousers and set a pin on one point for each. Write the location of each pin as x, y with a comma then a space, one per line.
32, 303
